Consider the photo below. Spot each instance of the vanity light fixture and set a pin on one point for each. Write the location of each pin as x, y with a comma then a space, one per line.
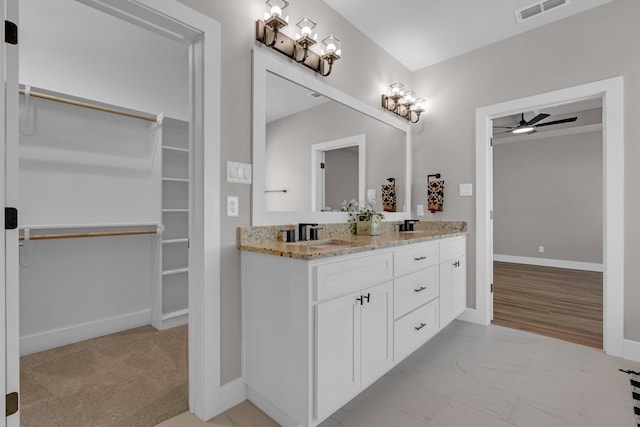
268, 32
403, 102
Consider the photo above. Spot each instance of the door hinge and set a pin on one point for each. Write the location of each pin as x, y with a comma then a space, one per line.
10, 218
491, 215
322, 165
10, 32
492, 288
12, 403
491, 142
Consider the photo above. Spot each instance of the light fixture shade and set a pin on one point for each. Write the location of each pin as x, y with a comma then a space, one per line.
395, 89
332, 46
276, 13
418, 105
276, 8
306, 31
408, 97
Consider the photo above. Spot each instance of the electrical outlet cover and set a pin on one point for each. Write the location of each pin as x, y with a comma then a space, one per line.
233, 208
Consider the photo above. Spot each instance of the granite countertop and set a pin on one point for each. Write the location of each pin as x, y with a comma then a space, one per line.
344, 244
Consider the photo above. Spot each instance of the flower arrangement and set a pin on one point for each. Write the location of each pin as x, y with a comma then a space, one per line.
363, 211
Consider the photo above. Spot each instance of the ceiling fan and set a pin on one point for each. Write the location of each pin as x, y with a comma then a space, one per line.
530, 126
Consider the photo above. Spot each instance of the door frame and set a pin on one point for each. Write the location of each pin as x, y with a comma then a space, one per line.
612, 93
317, 151
207, 397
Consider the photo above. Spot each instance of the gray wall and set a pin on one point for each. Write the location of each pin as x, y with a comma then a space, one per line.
341, 176
361, 72
549, 192
591, 46
288, 153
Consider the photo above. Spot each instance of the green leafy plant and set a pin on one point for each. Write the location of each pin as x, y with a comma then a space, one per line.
363, 211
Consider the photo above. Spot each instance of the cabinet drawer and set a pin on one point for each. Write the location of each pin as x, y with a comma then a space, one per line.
414, 289
350, 275
415, 257
452, 248
415, 329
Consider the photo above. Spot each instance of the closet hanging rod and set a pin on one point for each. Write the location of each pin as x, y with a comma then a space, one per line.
89, 234
89, 105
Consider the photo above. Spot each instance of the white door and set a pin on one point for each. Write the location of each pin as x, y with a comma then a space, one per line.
9, 355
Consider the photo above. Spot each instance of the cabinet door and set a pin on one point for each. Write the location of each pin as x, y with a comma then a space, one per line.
460, 287
376, 336
453, 291
337, 353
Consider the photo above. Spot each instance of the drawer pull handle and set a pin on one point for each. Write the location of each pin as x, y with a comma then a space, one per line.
420, 258
420, 289
422, 325
361, 298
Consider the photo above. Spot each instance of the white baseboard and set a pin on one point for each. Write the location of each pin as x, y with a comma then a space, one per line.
546, 262
270, 409
631, 350
472, 315
231, 394
63, 336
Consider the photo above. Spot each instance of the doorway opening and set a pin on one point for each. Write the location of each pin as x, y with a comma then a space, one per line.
611, 93
167, 19
547, 213
338, 172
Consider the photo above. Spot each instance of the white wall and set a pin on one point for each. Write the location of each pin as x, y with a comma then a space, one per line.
548, 192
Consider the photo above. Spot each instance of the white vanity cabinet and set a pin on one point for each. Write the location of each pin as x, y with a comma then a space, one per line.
453, 279
317, 332
353, 345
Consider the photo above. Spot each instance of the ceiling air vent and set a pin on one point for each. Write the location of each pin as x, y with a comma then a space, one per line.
538, 8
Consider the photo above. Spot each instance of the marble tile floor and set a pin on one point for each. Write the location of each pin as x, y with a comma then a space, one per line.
481, 376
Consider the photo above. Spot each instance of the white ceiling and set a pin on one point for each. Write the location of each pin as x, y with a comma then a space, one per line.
285, 98
419, 33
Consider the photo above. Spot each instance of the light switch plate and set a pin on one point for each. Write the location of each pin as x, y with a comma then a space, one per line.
466, 190
239, 172
233, 208
420, 210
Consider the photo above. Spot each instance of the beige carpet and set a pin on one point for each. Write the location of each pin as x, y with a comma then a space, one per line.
135, 378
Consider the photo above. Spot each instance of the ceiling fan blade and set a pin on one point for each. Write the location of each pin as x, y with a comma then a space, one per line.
557, 122
537, 118
505, 127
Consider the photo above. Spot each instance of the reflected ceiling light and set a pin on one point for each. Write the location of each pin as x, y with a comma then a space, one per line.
403, 102
268, 32
524, 129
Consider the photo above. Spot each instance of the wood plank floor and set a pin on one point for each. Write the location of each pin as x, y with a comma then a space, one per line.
556, 302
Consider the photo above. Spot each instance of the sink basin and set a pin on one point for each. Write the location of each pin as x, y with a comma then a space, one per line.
320, 244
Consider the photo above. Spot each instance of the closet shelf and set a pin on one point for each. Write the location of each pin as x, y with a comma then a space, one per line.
174, 314
175, 271
170, 241
166, 178
169, 148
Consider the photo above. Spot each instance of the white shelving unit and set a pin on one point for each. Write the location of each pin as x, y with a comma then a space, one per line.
171, 300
